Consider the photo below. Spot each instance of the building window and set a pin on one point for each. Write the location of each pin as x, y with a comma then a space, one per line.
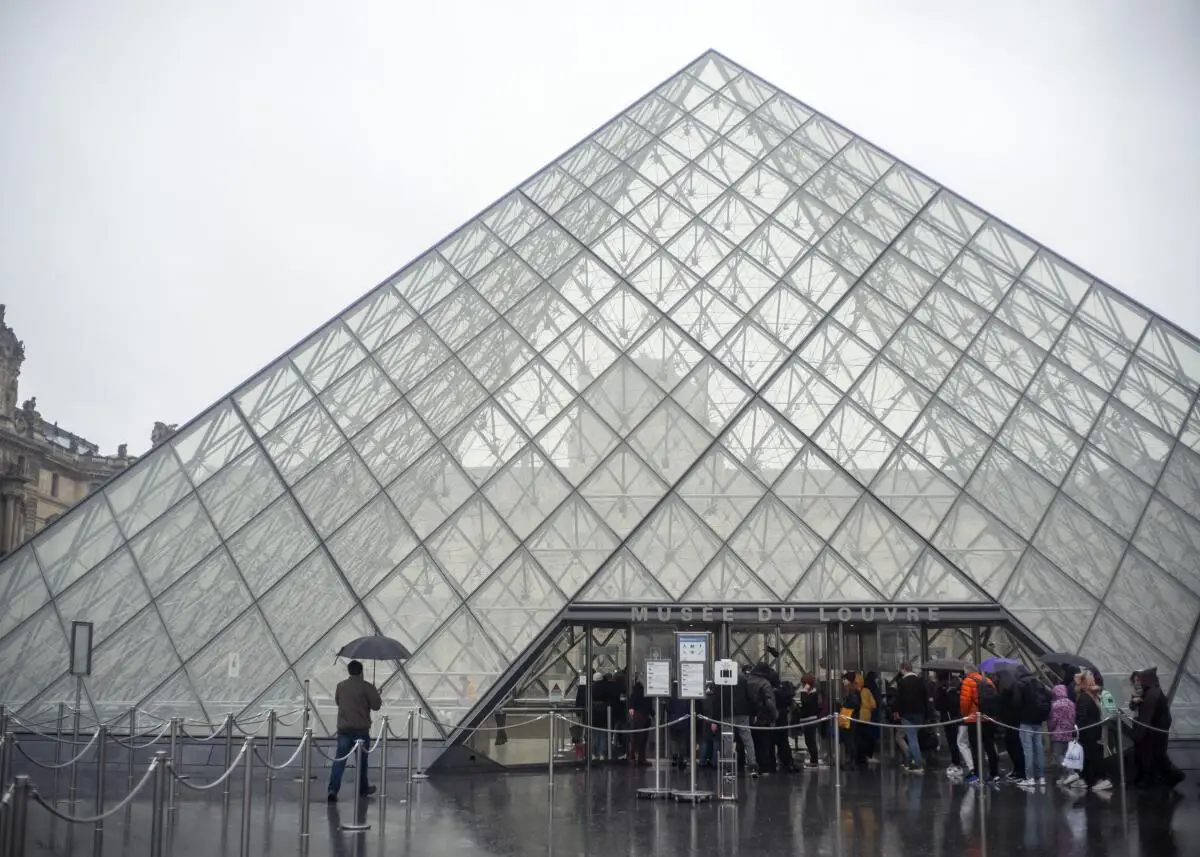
54, 485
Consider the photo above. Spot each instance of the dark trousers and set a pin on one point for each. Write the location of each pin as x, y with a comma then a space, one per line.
810, 743
345, 742
764, 751
779, 737
639, 739
952, 741
989, 748
1093, 760
1016, 753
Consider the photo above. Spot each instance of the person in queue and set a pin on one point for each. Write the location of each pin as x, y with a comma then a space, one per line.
356, 698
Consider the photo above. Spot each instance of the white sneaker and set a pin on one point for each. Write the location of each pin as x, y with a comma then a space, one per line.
954, 771
1078, 783
1041, 781
1102, 786
1069, 779
1027, 783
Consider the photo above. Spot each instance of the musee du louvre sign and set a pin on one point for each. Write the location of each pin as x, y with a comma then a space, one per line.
907, 613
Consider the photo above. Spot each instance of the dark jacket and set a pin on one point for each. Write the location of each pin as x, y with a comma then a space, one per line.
676, 709
785, 695
809, 703
639, 703
762, 696
356, 698
1008, 685
1155, 709
910, 696
947, 700
1087, 717
742, 706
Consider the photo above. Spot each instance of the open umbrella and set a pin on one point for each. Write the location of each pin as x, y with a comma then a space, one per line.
375, 648
943, 665
1062, 659
992, 665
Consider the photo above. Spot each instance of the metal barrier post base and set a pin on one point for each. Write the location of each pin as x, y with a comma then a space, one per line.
727, 787
359, 823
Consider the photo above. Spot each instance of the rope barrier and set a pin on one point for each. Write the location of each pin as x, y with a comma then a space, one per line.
6, 798
773, 728
66, 764
621, 731
286, 764
220, 731
130, 745
92, 819
349, 753
218, 781
46, 737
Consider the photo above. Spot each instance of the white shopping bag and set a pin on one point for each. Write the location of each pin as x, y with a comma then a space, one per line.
1073, 761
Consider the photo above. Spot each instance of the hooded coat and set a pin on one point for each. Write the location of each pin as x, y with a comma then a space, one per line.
1155, 710
1062, 716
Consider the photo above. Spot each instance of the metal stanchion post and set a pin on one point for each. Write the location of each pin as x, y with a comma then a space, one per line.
157, 825
980, 755
247, 797
272, 726
132, 751
658, 791
173, 752
101, 761
358, 822
20, 814
419, 773
408, 764
383, 760
551, 742
306, 723
692, 795
608, 732
306, 780
1120, 751
3, 719
58, 743
5, 771
228, 751
73, 777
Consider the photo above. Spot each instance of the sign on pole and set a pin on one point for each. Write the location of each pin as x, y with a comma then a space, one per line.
555, 696
692, 648
81, 648
658, 678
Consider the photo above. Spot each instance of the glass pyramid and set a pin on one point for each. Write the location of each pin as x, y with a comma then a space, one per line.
721, 350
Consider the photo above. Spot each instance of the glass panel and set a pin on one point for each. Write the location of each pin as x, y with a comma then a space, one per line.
732, 217
727, 579
432, 489
948, 442
622, 490
984, 284
836, 355
819, 280
875, 546
371, 545
588, 161
831, 579
517, 603
675, 543
1012, 357
200, 604
1062, 283
787, 316
693, 188
775, 545
271, 544
1115, 315
1172, 540
665, 355
1080, 545
979, 545
1153, 396
572, 544
335, 491
1131, 441
393, 442
412, 356
460, 317
506, 281
1016, 494
823, 136
1107, 491
624, 579
1041, 441
469, 250
899, 280
147, 490
1181, 480
1191, 431
805, 217
107, 597
177, 699
624, 189
77, 543
512, 218
954, 216
581, 355
802, 396
869, 317
623, 396
816, 490
922, 354
413, 602
584, 282
1176, 355
231, 672
1154, 603
836, 189
325, 357
669, 441
314, 581
932, 579
129, 665
699, 247
950, 315
211, 443
1066, 395
484, 442
1096, 357
725, 161
472, 544
426, 281
1004, 247
302, 442
706, 316
526, 491
751, 353
41, 647
890, 396
378, 317
856, 442
795, 161
622, 137
863, 160
447, 396
712, 395
762, 442
496, 355
756, 136
174, 544
852, 248
689, 137
623, 316
765, 188
1034, 316
22, 590
577, 441
741, 280
907, 187
785, 112
455, 667
978, 395
1112, 643
915, 491
625, 248
664, 281
721, 492
1049, 604
929, 248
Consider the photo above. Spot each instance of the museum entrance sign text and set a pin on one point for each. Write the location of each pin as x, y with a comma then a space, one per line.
841, 613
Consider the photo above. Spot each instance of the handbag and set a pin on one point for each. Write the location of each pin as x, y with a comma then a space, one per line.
844, 717
1073, 760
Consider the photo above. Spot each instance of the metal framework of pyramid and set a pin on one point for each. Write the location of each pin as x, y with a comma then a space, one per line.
722, 349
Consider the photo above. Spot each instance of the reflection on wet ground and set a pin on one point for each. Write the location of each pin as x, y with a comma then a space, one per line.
874, 813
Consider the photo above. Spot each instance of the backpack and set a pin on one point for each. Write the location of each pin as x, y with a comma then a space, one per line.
1108, 705
1037, 700
989, 698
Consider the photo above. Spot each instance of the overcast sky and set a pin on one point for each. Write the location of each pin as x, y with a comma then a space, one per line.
188, 189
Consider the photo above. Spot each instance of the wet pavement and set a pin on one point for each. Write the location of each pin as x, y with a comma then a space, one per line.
874, 813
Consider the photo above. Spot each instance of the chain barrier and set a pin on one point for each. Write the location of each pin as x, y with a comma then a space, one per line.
66, 764
218, 781
317, 747
112, 810
287, 764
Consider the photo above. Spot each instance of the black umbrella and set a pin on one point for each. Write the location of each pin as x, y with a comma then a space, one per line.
375, 648
943, 666
1062, 659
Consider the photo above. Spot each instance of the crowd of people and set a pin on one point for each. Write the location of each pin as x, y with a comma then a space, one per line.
979, 716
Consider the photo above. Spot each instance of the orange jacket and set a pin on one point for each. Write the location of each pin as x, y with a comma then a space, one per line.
968, 697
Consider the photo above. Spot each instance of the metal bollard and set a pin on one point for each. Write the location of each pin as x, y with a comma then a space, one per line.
552, 716
73, 779
408, 764
608, 731
132, 752
306, 782
1120, 752
358, 822
19, 812
173, 751
3, 719
58, 743
247, 796
5, 771
158, 826
101, 762
272, 726
980, 753
228, 751
420, 774
383, 742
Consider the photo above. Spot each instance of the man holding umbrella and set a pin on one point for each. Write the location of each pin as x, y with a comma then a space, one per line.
356, 698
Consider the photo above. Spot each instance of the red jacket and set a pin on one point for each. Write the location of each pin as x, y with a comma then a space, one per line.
968, 697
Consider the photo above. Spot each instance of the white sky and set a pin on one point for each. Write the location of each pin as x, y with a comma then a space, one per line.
188, 189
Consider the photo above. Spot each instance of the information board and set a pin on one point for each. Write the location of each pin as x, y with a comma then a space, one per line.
691, 681
658, 678
692, 647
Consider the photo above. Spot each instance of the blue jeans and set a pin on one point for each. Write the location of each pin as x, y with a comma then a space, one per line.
1035, 751
345, 742
910, 732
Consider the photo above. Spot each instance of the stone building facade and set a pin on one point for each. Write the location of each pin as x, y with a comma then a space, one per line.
44, 469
